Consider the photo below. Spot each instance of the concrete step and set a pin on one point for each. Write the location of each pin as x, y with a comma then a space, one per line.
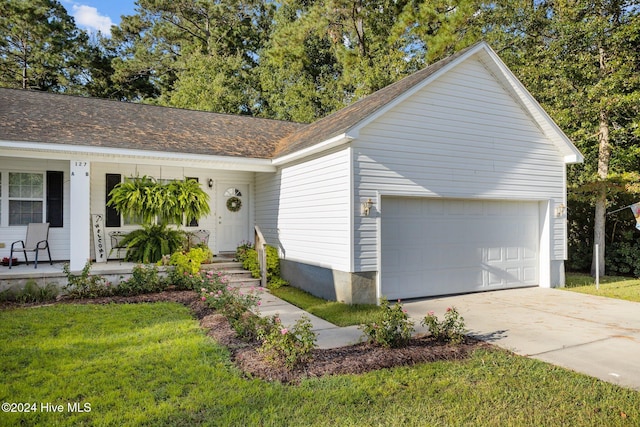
226, 265
244, 282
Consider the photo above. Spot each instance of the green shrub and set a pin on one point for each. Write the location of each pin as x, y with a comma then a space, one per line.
149, 243
241, 250
237, 306
250, 262
451, 329
288, 346
191, 261
30, 293
203, 279
85, 285
392, 327
144, 279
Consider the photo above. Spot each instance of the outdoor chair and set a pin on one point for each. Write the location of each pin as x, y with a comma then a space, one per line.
37, 240
198, 237
116, 242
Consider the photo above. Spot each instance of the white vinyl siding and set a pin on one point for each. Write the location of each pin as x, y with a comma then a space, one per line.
462, 136
58, 236
303, 209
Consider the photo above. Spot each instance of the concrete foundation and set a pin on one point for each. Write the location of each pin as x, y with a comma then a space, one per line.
333, 285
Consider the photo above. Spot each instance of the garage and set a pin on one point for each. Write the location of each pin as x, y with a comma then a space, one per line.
447, 246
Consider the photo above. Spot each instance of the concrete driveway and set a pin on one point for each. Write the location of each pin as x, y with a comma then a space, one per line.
593, 335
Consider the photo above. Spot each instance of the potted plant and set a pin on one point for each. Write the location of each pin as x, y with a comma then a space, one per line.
5, 261
158, 205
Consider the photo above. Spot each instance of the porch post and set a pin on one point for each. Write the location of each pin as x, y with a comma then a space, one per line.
80, 214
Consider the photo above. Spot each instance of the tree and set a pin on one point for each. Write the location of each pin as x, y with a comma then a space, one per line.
172, 52
40, 47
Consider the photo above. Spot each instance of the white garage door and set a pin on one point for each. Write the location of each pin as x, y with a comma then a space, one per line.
439, 247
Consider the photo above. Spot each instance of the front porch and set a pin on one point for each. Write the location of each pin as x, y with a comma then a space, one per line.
114, 271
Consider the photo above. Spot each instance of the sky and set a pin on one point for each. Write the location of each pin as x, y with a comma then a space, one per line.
98, 15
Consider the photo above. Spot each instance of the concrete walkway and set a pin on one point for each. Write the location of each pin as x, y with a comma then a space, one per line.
593, 335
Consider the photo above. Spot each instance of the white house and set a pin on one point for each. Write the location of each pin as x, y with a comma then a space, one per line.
451, 180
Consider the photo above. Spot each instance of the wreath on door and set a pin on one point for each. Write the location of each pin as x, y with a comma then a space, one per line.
234, 204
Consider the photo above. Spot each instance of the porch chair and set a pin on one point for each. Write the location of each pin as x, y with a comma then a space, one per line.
37, 240
116, 243
198, 237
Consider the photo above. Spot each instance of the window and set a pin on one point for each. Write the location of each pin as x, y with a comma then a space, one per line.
232, 192
26, 198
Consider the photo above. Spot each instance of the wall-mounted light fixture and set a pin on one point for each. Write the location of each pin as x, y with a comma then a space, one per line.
365, 207
210, 182
560, 210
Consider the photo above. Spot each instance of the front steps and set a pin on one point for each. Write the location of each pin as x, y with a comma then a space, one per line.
238, 276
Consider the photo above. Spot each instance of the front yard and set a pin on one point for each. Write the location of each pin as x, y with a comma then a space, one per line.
626, 288
151, 364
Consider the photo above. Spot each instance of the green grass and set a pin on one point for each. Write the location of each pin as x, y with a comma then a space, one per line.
626, 288
150, 364
335, 312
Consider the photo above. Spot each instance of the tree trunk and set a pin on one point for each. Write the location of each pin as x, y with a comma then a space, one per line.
604, 154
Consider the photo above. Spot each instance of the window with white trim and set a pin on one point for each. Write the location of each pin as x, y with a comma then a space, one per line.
25, 197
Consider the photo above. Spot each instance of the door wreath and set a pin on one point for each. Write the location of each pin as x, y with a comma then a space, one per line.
234, 204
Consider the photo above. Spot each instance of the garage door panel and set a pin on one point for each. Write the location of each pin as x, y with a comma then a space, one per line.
456, 246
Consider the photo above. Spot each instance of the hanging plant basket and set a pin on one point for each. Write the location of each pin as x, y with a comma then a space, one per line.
234, 204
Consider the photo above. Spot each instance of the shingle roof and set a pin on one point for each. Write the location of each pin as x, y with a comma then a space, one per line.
341, 121
63, 119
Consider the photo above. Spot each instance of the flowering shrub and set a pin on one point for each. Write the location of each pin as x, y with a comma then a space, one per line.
237, 306
85, 285
451, 329
144, 279
392, 328
290, 346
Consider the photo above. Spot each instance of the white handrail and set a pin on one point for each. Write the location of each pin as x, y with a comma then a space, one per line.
261, 248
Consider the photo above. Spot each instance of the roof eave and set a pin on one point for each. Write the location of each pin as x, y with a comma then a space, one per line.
74, 152
325, 145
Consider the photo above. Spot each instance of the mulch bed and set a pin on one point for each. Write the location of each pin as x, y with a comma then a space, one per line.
353, 359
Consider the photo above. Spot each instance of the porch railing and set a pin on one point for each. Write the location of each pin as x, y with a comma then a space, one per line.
261, 248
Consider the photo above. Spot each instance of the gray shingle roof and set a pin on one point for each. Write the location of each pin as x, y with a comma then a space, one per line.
63, 119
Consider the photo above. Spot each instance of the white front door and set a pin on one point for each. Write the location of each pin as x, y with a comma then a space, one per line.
233, 216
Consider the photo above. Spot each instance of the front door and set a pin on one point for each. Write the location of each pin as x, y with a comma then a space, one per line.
233, 216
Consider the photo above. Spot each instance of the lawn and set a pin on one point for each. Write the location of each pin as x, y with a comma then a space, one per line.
626, 288
151, 364
339, 314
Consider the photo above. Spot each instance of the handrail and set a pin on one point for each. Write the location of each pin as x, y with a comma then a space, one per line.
261, 248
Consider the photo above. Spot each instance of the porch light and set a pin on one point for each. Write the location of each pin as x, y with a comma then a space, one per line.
560, 210
365, 207
210, 182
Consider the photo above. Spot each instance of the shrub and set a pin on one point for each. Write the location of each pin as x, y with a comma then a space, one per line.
191, 261
85, 285
144, 279
241, 250
202, 279
31, 292
392, 327
289, 346
451, 329
237, 306
250, 262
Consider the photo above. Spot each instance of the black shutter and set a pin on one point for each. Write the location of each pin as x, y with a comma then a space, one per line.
112, 217
194, 222
55, 198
